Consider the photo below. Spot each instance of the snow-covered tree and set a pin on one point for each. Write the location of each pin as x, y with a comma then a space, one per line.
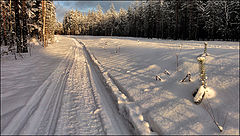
177, 19
59, 28
122, 24
50, 20
99, 21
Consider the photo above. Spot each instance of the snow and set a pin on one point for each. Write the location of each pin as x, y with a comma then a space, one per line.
71, 100
200, 94
22, 77
168, 105
107, 85
24, 81
128, 109
79, 109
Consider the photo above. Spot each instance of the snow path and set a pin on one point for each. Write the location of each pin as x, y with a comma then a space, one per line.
21, 78
78, 114
38, 113
72, 100
117, 123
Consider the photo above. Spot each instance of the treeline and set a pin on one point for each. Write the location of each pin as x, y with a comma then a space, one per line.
166, 19
21, 20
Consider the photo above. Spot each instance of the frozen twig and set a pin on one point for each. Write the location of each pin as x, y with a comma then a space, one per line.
166, 72
205, 48
211, 113
158, 78
188, 76
20, 55
225, 118
203, 77
177, 54
30, 49
177, 60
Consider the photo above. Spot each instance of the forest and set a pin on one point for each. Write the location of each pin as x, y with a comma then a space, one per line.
165, 19
24, 19
175, 19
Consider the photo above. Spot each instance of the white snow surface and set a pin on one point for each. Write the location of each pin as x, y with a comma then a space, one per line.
167, 105
109, 87
68, 101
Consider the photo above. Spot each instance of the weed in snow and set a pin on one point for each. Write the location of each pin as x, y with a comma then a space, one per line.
206, 105
177, 54
187, 78
205, 48
199, 95
158, 78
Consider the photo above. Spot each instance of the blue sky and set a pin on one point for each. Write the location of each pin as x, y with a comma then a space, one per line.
85, 6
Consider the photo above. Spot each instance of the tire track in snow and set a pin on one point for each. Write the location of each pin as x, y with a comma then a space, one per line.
43, 105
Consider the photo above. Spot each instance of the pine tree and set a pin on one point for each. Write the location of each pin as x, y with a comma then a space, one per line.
11, 32
178, 19
24, 30
35, 20
59, 28
5, 23
1, 22
122, 22
50, 21
131, 21
112, 16
100, 17
17, 26
233, 16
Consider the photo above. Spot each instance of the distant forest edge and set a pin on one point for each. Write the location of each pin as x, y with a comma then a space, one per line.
21, 20
166, 19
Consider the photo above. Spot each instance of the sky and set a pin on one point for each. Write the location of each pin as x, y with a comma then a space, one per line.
85, 6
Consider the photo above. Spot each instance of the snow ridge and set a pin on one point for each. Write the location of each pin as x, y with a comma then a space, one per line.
128, 109
114, 123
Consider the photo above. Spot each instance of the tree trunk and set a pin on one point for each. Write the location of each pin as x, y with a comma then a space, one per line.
24, 31
190, 22
17, 26
176, 27
4, 27
10, 26
44, 21
1, 23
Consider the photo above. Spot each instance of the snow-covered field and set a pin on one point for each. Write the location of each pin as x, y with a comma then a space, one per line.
168, 104
109, 87
56, 91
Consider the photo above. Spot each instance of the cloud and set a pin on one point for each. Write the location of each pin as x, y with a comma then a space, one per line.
84, 6
60, 11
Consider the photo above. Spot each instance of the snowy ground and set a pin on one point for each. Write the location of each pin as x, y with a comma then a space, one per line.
56, 91
109, 87
168, 104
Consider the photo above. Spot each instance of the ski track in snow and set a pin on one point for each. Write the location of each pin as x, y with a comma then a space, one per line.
72, 100
114, 122
78, 114
39, 112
